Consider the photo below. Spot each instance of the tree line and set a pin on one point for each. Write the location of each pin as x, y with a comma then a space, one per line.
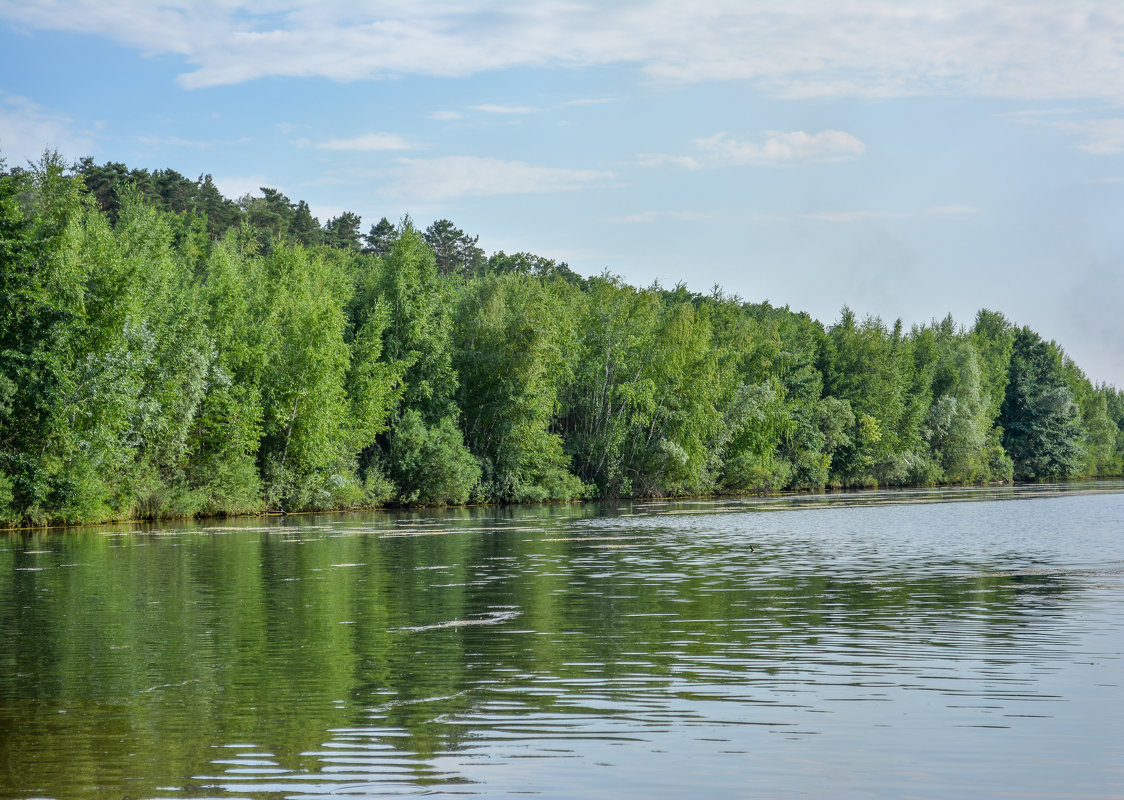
167, 352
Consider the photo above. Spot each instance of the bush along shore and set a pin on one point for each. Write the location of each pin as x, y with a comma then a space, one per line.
168, 352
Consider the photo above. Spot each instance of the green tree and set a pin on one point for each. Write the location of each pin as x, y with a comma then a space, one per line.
641, 415
343, 231
964, 446
170, 347
1098, 441
1040, 420
379, 238
1114, 405
872, 369
227, 434
501, 263
67, 385
514, 342
455, 252
418, 335
275, 218
306, 453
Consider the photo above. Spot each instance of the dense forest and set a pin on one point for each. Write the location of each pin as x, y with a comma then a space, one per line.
166, 351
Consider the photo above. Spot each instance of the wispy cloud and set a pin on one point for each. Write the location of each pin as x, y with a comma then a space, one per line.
648, 217
846, 216
792, 48
587, 101
955, 210
1098, 136
797, 147
665, 160
236, 186
437, 179
191, 144
494, 108
445, 116
1107, 180
1034, 114
368, 142
27, 128
777, 149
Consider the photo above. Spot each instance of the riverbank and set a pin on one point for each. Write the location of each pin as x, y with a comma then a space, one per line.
776, 501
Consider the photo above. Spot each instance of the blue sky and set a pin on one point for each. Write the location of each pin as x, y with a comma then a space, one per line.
906, 159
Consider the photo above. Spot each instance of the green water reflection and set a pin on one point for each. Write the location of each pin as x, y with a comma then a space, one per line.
274, 659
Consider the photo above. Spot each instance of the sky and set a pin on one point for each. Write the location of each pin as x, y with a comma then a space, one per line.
906, 159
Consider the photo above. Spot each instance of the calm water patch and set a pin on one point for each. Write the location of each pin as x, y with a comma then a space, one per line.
855, 645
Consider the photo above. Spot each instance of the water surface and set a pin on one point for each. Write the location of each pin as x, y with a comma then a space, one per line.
869, 645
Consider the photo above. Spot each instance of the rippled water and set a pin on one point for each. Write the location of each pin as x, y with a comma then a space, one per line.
870, 645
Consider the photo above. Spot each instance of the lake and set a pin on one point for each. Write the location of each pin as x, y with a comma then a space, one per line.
880, 644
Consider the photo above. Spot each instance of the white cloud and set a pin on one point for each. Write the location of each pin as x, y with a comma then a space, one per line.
193, 144
27, 129
1033, 115
586, 101
368, 142
493, 108
955, 210
446, 115
793, 48
664, 160
797, 147
435, 179
1101, 137
845, 216
323, 213
235, 186
1108, 180
648, 217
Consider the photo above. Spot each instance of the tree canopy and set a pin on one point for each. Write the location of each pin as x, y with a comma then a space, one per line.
165, 351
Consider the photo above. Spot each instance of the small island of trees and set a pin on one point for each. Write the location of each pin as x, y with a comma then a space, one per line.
168, 352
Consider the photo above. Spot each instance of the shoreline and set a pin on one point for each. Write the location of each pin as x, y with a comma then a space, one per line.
763, 501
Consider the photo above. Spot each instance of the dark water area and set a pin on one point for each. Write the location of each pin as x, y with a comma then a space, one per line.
880, 644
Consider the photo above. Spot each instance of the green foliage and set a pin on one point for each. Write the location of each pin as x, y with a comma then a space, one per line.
378, 240
305, 428
1040, 420
1114, 406
641, 414
7, 509
343, 231
872, 369
165, 352
514, 340
67, 382
758, 420
273, 217
963, 444
418, 324
430, 464
425, 454
1099, 431
455, 252
167, 342
165, 190
501, 263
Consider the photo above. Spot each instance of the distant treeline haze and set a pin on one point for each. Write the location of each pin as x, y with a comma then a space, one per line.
165, 351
